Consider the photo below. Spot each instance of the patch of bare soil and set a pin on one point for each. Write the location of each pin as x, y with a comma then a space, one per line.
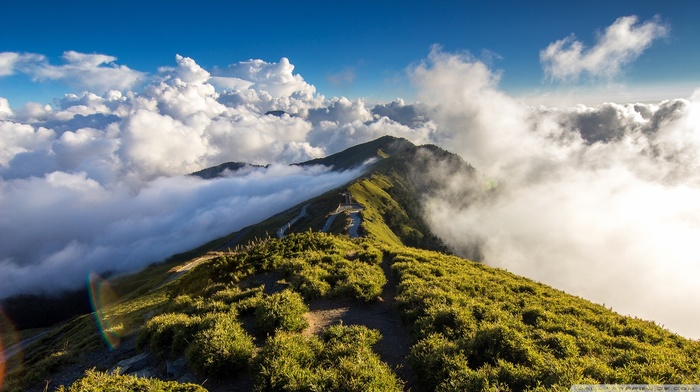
395, 345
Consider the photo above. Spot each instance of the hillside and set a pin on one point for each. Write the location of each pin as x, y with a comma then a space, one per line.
311, 310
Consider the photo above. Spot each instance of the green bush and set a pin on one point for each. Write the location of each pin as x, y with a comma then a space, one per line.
222, 349
288, 362
282, 311
100, 382
369, 254
310, 281
342, 341
159, 331
430, 359
361, 372
357, 280
342, 361
562, 345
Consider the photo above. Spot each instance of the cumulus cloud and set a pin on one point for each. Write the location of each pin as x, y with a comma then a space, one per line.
621, 43
598, 201
277, 79
5, 110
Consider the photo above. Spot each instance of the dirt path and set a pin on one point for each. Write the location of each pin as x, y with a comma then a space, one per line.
395, 345
179, 271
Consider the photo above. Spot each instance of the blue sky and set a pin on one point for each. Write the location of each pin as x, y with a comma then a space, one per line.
353, 49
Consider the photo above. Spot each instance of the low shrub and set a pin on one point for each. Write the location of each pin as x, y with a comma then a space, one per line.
342, 360
288, 362
98, 381
222, 349
310, 281
283, 311
158, 332
429, 359
357, 280
494, 342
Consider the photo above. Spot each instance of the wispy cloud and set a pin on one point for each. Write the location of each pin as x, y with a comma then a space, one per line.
11, 61
342, 78
622, 42
95, 72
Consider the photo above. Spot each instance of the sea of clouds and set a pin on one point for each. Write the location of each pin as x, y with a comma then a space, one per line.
600, 201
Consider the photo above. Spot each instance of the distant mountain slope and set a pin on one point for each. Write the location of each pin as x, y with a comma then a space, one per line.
391, 192
219, 170
394, 190
357, 155
352, 157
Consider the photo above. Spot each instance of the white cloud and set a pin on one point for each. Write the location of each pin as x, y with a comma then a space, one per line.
96, 72
598, 201
5, 111
16, 138
68, 225
10, 61
277, 79
153, 144
621, 43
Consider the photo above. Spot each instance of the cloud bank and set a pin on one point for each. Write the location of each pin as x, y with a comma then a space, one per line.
67, 224
601, 202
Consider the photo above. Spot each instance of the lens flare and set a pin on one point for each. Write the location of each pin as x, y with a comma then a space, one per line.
10, 347
101, 297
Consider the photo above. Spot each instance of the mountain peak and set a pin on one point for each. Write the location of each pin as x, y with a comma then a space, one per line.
355, 156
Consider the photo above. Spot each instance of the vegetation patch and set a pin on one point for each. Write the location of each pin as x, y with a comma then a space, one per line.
221, 350
95, 381
480, 328
282, 311
341, 360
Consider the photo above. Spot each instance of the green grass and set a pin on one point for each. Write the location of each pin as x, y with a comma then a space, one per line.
101, 381
376, 203
479, 327
341, 360
281, 312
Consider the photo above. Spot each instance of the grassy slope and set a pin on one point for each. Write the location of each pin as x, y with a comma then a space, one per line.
482, 328
475, 327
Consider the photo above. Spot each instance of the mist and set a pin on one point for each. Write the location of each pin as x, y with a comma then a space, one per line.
62, 226
601, 202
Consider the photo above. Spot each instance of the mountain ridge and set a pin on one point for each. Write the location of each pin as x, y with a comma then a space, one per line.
347, 159
250, 311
